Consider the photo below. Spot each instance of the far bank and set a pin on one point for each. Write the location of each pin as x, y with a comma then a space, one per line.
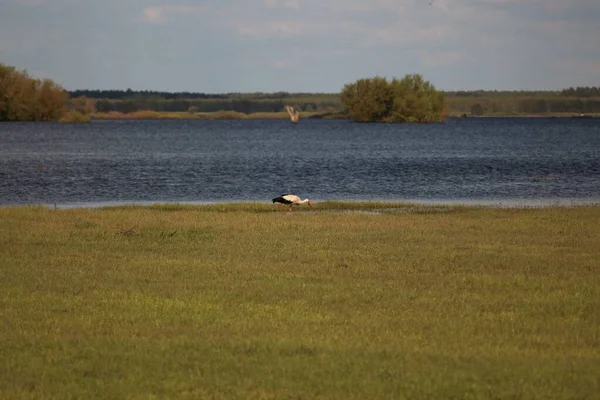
234, 115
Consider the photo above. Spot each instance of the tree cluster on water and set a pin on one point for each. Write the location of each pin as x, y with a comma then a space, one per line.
410, 99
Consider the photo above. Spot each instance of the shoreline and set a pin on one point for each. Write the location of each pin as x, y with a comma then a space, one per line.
216, 115
495, 203
234, 115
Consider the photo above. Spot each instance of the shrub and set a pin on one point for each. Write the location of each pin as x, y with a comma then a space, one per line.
75, 116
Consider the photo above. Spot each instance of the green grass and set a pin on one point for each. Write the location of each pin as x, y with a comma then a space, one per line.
350, 300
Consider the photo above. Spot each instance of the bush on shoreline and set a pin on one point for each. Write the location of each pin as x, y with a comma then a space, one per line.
23, 98
75, 116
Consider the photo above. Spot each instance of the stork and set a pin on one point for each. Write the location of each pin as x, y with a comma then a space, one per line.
290, 200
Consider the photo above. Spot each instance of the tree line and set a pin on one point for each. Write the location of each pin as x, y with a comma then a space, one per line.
410, 99
478, 102
567, 101
151, 94
142, 94
537, 104
582, 91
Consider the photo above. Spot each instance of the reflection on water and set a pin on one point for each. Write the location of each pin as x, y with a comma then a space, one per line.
530, 162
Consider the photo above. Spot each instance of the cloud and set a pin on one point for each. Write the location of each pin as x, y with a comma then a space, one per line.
284, 28
158, 14
285, 3
31, 3
441, 5
154, 14
37, 3
292, 4
326, 42
281, 64
408, 34
577, 70
592, 67
440, 58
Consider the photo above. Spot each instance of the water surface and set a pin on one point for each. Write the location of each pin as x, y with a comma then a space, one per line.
463, 160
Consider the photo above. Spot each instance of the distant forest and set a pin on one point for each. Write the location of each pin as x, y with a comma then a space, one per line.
580, 100
126, 101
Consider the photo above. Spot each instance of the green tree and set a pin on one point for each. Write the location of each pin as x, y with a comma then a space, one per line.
51, 101
26, 99
83, 105
368, 100
416, 100
410, 99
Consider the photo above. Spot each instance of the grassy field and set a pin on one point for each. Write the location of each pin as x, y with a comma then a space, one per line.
347, 301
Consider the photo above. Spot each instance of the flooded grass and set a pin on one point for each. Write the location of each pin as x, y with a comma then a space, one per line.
349, 300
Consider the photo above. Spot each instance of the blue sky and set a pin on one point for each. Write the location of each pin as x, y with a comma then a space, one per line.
302, 45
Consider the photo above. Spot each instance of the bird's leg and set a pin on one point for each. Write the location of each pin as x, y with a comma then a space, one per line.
282, 208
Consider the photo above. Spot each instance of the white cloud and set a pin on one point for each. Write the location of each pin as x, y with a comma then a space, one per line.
441, 5
409, 34
247, 31
157, 14
280, 64
29, 2
431, 58
279, 29
592, 67
284, 3
292, 4
36, 3
341, 39
154, 14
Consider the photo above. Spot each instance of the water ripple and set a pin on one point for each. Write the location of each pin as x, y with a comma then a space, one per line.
473, 160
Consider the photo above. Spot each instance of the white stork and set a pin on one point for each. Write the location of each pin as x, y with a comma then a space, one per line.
290, 200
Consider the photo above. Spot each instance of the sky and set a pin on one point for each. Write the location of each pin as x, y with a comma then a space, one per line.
224, 46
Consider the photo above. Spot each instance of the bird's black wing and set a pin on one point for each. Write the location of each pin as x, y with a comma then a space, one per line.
281, 199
